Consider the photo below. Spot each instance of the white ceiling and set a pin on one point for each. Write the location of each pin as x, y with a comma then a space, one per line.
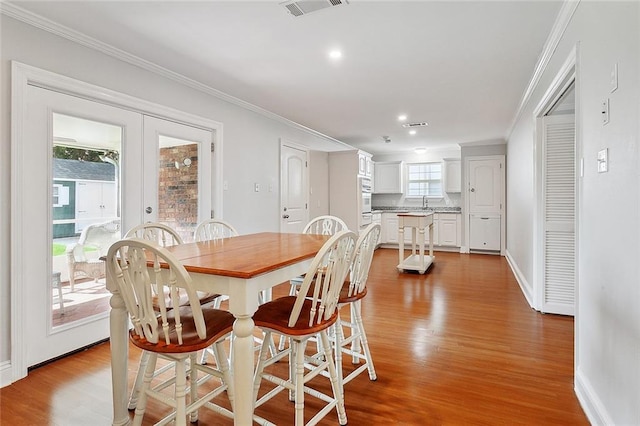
461, 66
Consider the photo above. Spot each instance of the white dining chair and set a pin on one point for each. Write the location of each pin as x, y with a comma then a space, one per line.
177, 332
310, 313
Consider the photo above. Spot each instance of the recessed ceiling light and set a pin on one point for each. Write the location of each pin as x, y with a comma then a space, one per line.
402, 117
412, 132
335, 54
420, 150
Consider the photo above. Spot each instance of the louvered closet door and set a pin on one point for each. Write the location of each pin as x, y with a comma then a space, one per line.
559, 214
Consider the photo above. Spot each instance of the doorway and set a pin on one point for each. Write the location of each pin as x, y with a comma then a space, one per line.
98, 135
555, 262
293, 188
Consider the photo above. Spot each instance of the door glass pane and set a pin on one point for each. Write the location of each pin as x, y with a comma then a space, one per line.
86, 214
178, 185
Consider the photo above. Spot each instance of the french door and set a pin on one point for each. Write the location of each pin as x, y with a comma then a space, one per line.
83, 163
54, 319
177, 164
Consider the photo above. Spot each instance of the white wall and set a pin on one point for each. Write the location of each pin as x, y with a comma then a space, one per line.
608, 317
251, 140
318, 183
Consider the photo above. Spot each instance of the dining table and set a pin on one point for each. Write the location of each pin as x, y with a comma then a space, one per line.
239, 267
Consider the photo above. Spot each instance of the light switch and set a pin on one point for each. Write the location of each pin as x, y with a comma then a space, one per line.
256, 187
614, 78
225, 185
604, 111
603, 160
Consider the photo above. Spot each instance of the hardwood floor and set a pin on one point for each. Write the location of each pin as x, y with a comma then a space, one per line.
458, 345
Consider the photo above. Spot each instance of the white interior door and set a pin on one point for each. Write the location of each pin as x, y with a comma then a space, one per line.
485, 182
36, 337
559, 275
293, 189
177, 175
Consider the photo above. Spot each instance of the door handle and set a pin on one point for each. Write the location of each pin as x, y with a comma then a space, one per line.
473, 190
285, 216
148, 210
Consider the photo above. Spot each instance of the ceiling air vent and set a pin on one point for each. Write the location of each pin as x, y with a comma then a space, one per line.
303, 7
421, 124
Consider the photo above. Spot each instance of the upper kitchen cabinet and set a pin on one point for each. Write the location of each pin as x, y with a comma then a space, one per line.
365, 164
388, 177
452, 175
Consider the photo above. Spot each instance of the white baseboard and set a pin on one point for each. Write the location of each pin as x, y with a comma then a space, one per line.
6, 374
522, 282
589, 401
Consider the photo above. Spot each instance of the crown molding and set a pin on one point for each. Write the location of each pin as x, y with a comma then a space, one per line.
52, 27
555, 36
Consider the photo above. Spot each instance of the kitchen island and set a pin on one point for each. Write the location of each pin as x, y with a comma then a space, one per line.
418, 223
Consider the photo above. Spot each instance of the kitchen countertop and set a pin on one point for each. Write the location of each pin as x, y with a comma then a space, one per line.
397, 209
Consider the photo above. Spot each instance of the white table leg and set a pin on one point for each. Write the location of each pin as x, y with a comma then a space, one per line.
119, 358
243, 370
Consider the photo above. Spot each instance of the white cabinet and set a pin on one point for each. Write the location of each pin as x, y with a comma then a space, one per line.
345, 192
485, 232
365, 164
388, 177
449, 229
452, 175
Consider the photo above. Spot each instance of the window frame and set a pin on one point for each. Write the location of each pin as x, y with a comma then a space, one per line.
408, 180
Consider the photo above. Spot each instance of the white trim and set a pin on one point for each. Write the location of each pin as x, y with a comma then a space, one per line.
557, 31
522, 281
484, 143
591, 405
6, 374
563, 79
37, 21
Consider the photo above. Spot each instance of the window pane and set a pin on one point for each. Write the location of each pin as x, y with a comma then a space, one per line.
424, 179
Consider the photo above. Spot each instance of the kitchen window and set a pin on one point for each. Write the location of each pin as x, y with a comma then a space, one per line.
424, 179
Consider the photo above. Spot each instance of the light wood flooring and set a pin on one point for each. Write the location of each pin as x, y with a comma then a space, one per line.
456, 346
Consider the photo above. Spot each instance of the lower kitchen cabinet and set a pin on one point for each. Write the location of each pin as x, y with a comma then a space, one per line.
449, 229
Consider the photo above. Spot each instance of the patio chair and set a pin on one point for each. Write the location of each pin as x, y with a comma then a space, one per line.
83, 257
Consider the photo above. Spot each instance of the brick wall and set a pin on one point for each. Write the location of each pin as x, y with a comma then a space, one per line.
178, 189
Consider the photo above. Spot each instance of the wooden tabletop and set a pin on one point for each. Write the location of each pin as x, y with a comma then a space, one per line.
247, 256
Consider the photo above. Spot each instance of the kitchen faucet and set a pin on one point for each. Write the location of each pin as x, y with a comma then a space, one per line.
425, 202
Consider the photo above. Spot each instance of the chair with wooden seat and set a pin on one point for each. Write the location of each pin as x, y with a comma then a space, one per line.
164, 236
321, 225
140, 268
353, 291
311, 312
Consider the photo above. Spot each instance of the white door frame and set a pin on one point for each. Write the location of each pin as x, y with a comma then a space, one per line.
564, 78
22, 76
285, 142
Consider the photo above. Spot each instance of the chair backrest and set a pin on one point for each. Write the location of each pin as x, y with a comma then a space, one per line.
213, 229
323, 281
99, 236
134, 265
325, 225
159, 233
365, 246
